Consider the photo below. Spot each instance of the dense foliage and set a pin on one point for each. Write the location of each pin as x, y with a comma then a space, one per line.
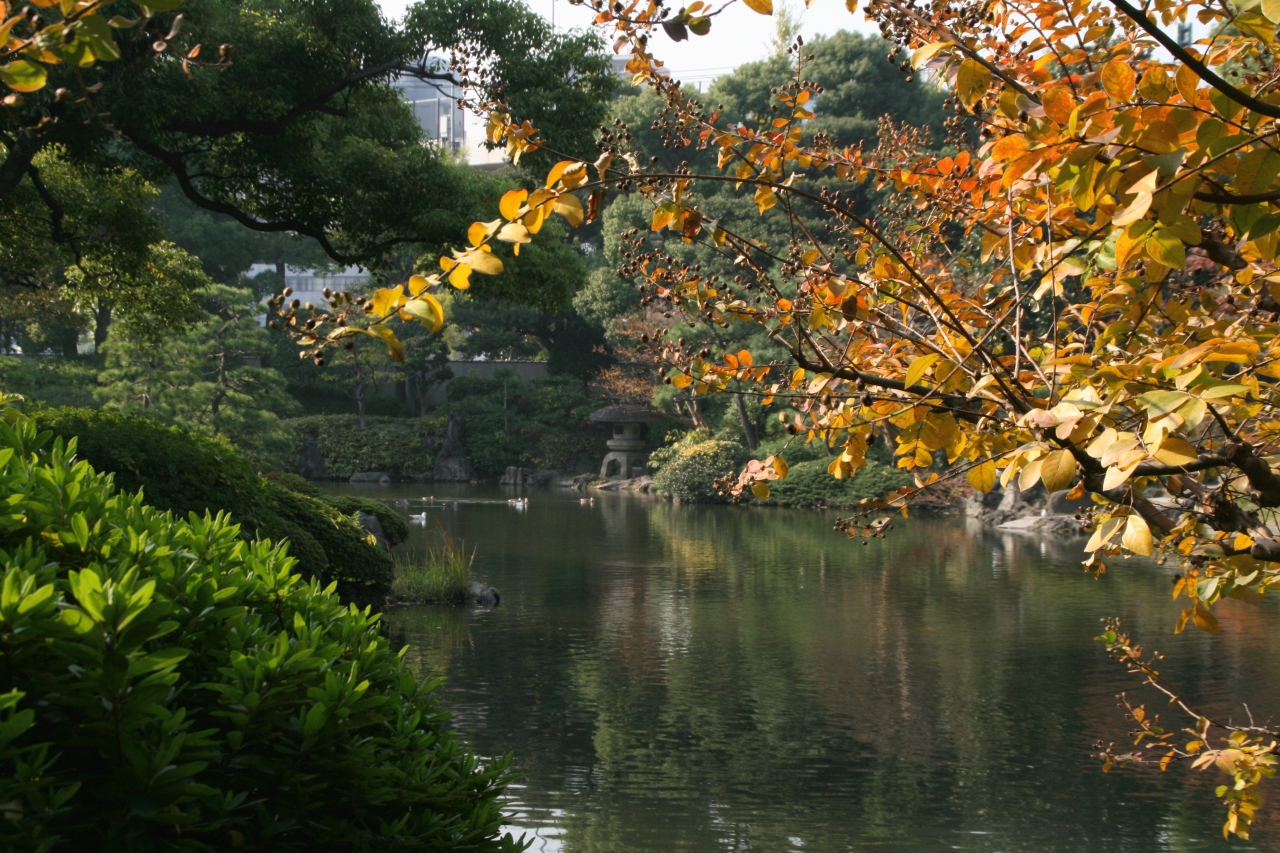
404, 448
168, 685
186, 473
688, 469
540, 424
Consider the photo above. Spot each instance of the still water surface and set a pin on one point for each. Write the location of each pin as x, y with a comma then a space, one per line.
693, 678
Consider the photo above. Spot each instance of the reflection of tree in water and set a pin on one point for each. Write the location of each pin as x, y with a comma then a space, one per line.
711, 678
937, 683
432, 635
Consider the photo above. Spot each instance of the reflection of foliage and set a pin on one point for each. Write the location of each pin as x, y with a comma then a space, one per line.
137, 701
688, 469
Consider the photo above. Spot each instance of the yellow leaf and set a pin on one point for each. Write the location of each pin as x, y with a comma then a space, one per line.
982, 476
1118, 80
459, 274
479, 231
1058, 470
394, 347
1116, 476
760, 490
1176, 451
417, 284
511, 203
851, 5
482, 261
1271, 9
570, 208
923, 54
569, 172
765, 198
514, 232
1137, 535
386, 300
780, 465
1204, 619
764, 7
426, 310
918, 367
1133, 211
972, 80
681, 380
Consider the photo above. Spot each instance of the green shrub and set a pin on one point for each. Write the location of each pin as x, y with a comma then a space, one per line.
688, 469
809, 484
52, 381
349, 555
167, 685
178, 470
402, 447
185, 473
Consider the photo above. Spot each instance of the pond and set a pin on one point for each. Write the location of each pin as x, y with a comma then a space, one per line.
714, 678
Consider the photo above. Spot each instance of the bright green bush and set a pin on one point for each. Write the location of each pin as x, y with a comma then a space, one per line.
405, 448
167, 685
688, 469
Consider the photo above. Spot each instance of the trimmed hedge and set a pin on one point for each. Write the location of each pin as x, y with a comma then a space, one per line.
405, 448
167, 685
185, 473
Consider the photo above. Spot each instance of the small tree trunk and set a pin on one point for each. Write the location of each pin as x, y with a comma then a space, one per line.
748, 432
102, 323
360, 405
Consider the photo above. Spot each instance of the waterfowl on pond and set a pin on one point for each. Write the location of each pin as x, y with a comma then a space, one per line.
587, 501
519, 503
419, 518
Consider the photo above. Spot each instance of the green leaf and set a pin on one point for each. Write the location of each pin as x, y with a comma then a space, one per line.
97, 31
1167, 249
23, 76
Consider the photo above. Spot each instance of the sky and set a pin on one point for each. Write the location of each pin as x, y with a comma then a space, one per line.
737, 35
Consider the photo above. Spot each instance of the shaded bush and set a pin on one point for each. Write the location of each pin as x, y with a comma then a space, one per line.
405, 448
186, 473
688, 469
169, 686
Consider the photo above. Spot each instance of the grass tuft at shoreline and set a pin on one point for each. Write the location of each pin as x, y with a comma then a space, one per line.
437, 575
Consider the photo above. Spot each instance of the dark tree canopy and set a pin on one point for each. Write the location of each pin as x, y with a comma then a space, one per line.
299, 129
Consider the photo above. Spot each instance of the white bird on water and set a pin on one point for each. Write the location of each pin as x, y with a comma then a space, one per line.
519, 503
419, 518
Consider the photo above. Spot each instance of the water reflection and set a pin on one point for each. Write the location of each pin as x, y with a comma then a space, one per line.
718, 679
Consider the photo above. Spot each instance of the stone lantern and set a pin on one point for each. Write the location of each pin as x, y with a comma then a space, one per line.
627, 446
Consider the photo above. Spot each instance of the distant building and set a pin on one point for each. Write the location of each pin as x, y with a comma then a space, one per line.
435, 106
309, 285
